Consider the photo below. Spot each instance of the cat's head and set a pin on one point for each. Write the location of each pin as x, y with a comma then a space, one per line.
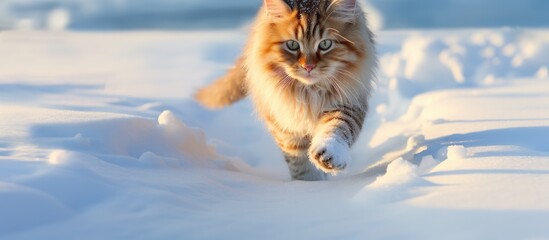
313, 41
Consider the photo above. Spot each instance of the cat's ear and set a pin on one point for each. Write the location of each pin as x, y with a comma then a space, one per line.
344, 10
277, 9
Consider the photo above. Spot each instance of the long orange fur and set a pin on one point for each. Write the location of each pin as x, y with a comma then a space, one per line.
313, 101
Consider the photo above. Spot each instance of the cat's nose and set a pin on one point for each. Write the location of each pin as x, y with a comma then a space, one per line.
309, 67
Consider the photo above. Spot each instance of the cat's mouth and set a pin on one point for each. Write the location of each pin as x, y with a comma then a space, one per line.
309, 78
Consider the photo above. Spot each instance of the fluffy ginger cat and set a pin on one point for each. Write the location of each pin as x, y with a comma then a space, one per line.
308, 68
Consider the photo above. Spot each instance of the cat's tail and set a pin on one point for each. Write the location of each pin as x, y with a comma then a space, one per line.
226, 90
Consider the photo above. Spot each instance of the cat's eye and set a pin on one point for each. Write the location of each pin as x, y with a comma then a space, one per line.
325, 44
292, 45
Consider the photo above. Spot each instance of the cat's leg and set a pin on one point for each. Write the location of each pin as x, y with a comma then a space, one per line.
337, 130
294, 147
302, 169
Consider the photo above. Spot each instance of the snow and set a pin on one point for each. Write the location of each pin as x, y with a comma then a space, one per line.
100, 139
398, 172
58, 20
120, 150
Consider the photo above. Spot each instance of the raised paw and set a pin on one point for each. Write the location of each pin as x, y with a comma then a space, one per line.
329, 154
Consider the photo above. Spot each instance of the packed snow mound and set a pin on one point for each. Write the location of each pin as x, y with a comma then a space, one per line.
139, 142
398, 172
91, 162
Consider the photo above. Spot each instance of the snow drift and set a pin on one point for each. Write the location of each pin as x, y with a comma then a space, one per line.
99, 138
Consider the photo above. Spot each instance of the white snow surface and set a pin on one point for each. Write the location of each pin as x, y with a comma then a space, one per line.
100, 139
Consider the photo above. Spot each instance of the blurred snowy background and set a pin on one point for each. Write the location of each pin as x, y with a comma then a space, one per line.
196, 14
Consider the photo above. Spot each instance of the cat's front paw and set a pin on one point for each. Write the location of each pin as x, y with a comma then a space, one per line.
330, 154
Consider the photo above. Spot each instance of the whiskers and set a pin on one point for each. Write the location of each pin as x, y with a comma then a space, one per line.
352, 91
332, 81
285, 82
341, 86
